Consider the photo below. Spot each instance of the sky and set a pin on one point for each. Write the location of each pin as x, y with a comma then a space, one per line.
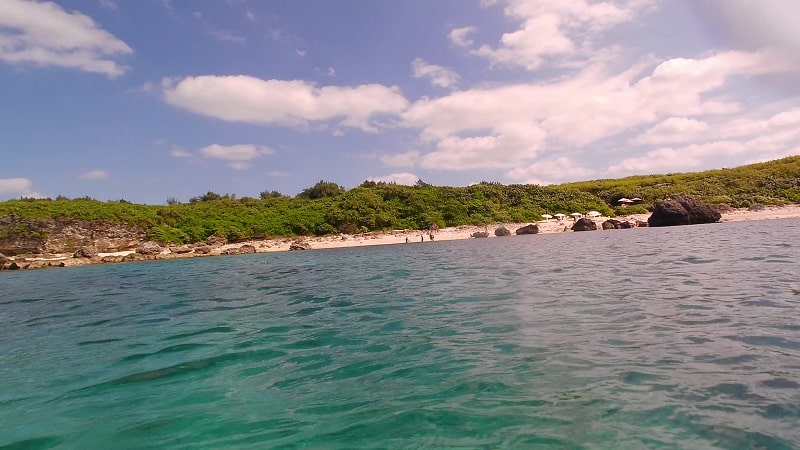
147, 100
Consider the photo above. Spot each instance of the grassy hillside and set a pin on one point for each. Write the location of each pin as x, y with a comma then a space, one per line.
328, 208
770, 183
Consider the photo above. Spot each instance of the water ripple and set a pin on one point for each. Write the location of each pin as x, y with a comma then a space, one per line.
662, 338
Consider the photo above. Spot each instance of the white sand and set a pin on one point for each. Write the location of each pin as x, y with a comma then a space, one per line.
464, 232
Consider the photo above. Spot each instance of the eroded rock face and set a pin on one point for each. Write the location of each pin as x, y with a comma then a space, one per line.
85, 252
37, 236
480, 234
528, 229
584, 224
149, 248
502, 231
243, 250
682, 210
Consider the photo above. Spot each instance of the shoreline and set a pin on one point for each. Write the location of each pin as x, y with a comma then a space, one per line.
363, 240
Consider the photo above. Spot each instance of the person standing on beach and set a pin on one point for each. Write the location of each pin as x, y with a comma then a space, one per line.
421, 238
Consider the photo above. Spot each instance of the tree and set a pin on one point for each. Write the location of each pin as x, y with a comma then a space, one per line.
172, 201
207, 197
270, 194
321, 190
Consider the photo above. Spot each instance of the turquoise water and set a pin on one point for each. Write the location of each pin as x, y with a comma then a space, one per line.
685, 337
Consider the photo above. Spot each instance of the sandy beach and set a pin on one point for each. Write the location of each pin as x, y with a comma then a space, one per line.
464, 232
378, 238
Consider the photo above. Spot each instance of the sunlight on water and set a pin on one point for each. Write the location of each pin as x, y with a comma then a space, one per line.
683, 337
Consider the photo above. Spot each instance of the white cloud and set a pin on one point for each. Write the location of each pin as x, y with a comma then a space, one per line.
672, 130
301, 53
438, 75
94, 175
227, 36
405, 178
509, 126
109, 4
178, 152
557, 30
15, 186
238, 156
545, 172
43, 34
459, 36
293, 103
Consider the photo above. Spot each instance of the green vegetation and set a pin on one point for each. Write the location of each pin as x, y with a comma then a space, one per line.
770, 183
327, 208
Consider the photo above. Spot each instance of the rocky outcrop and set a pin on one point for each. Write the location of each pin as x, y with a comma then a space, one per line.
682, 210
216, 240
149, 248
614, 224
202, 249
584, 224
58, 236
480, 234
528, 229
243, 250
85, 252
502, 231
181, 249
299, 245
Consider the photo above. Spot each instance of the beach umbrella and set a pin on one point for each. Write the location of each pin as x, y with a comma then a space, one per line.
547, 216
593, 214
559, 215
576, 214
624, 200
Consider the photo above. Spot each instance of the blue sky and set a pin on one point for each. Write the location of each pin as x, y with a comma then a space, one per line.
149, 99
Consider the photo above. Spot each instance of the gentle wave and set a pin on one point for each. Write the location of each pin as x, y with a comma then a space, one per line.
684, 337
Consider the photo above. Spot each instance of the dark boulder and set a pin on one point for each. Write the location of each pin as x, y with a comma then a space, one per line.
480, 234
682, 210
502, 231
612, 224
584, 224
528, 229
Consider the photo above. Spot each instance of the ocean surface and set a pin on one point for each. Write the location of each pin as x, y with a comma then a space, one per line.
683, 337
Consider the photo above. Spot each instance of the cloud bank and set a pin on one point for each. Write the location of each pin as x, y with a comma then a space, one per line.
43, 34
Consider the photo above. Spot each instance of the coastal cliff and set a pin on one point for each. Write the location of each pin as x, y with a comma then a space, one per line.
57, 236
